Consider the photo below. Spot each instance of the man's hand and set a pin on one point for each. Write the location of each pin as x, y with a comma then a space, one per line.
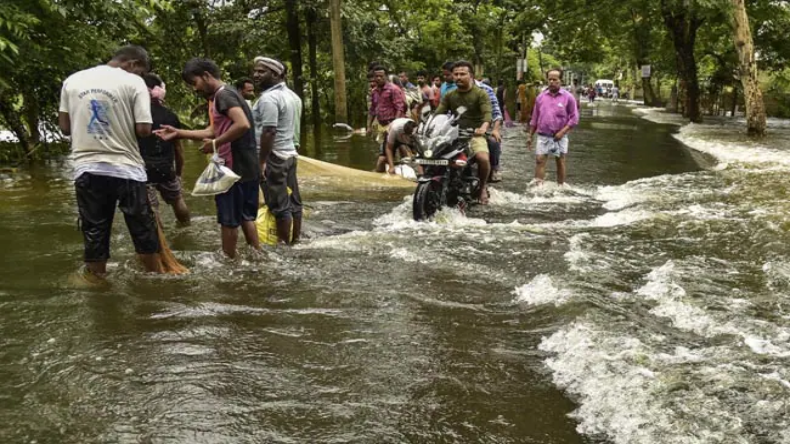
480, 131
559, 135
392, 170
208, 146
167, 133
495, 134
529, 142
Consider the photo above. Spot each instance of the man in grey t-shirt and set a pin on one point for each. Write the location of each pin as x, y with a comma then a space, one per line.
277, 117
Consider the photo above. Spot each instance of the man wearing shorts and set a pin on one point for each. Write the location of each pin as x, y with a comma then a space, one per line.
234, 138
554, 116
390, 105
399, 139
164, 161
104, 109
277, 117
476, 117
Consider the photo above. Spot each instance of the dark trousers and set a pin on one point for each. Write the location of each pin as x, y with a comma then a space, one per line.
495, 151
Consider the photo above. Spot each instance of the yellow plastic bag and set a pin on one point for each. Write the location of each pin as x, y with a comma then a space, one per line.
266, 223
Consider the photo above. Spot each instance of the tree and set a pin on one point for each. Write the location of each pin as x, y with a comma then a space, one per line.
742, 36
682, 19
338, 61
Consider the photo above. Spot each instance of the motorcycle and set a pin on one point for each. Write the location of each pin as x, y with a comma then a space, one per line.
449, 178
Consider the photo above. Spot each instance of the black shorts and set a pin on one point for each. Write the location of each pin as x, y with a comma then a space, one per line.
238, 204
280, 175
97, 197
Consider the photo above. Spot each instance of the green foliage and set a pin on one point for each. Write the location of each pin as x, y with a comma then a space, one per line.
43, 41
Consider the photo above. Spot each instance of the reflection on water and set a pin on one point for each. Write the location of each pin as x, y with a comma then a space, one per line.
641, 304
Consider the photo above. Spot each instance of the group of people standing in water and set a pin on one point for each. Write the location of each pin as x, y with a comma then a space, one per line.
126, 144
126, 150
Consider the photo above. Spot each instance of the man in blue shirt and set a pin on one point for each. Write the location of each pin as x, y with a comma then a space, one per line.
495, 139
404, 80
449, 81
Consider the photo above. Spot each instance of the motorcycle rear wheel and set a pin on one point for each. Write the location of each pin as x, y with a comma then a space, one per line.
427, 200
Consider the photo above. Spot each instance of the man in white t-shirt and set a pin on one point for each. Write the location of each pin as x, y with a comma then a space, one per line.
399, 139
104, 109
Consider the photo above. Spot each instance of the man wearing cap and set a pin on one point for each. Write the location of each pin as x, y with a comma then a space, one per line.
277, 117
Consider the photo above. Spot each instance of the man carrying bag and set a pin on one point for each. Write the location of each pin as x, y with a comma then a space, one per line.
233, 138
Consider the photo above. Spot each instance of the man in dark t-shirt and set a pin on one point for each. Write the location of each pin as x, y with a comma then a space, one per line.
232, 134
164, 160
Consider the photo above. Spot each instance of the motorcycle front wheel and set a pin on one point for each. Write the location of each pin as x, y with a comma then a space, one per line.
427, 200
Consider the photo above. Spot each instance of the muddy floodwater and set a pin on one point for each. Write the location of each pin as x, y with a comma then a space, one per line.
646, 302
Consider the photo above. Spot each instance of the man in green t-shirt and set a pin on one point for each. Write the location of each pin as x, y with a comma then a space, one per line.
477, 117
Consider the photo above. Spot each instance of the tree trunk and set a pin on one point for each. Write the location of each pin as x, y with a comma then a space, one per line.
295, 42
683, 23
649, 97
312, 45
338, 61
202, 27
32, 117
747, 66
15, 124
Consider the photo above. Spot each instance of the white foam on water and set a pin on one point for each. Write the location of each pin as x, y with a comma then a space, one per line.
632, 394
613, 389
406, 255
554, 195
659, 115
401, 219
578, 259
625, 217
541, 290
662, 287
703, 138
763, 346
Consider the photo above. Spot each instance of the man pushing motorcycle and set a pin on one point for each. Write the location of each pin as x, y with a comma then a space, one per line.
477, 116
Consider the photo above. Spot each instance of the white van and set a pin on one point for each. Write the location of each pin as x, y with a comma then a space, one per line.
606, 86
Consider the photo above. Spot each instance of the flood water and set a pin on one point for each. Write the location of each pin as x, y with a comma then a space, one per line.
644, 303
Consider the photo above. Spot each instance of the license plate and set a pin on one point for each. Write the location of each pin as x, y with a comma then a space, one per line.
431, 162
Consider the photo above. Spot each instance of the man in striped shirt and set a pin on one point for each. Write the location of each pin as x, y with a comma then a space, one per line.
495, 139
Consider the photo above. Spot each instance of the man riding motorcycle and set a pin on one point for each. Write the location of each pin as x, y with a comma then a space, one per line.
477, 116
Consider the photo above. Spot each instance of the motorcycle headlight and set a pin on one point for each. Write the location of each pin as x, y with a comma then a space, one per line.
428, 154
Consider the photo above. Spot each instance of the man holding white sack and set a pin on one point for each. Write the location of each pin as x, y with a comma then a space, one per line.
277, 117
232, 136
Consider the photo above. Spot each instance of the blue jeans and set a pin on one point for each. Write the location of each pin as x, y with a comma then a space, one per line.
495, 151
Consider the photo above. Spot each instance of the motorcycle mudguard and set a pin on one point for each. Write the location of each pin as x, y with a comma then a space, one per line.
424, 179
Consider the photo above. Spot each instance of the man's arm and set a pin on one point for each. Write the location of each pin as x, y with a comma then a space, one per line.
485, 107
142, 129
64, 122
267, 144
167, 132
389, 150
141, 104
573, 118
444, 105
533, 123
269, 111
240, 126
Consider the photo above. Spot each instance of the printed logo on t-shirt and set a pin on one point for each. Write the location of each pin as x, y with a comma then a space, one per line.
99, 124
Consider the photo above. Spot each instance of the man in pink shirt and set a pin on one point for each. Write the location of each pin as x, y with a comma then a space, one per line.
390, 105
553, 117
